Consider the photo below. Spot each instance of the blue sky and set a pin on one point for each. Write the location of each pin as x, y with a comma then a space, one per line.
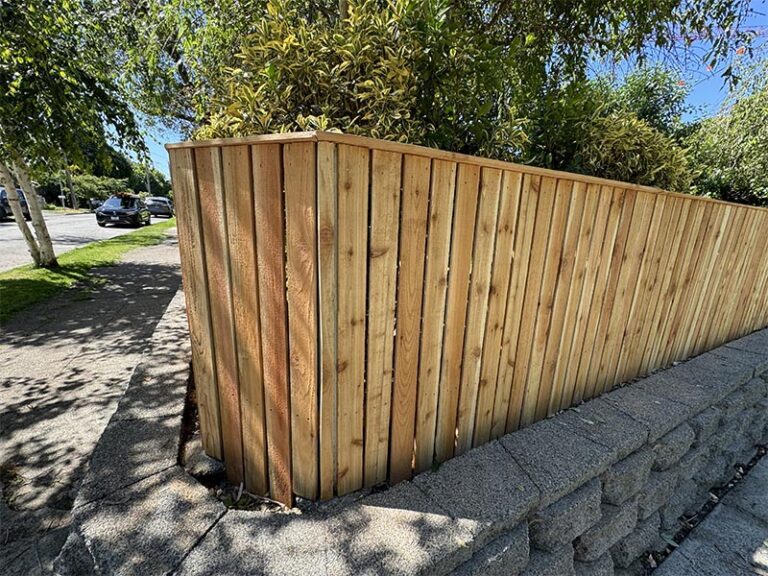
707, 89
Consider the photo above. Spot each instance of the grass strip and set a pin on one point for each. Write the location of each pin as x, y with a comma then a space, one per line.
26, 285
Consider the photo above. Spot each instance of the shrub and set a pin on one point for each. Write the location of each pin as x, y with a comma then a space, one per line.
405, 71
620, 146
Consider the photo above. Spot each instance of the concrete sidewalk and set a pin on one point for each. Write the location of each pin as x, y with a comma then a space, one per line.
64, 366
733, 539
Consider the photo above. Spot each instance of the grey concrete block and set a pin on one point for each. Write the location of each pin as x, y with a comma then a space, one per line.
558, 462
716, 471
560, 523
729, 542
616, 523
756, 342
603, 566
147, 528
658, 414
690, 392
742, 399
627, 477
687, 497
485, 485
717, 374
672, 446
645, 537
129, 451
508, 554
690, 464
705, 423
558, 563
657, 492
198, 463
599, 421
637, 568
757, 361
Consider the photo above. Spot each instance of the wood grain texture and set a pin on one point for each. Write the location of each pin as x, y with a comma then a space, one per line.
352, 258
195, 283
213, 213
442, 194
462, 238
301, 276
531, 302
382, 280
327, 235
477, 309
497, 304
236, 161
515, 300
362, 309
410, 289
266, 160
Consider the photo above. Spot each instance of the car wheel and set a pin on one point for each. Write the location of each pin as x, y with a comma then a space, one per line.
102, 224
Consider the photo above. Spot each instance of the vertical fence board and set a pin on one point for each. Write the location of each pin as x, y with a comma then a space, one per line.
245, 295
353, 172
212, 208
585, 387
548, 394
561, 396
301, 276
604, 202
382, 280
480, 280
530, 302
410, 289
195, 282
268, 202
359, 310
497, 303
534, 385
515, 299
327, 233
442, 195
462, 237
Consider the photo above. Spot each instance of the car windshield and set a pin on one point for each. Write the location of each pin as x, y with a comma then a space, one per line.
116, 202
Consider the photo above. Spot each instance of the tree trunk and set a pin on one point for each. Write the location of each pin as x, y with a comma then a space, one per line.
343, 9
18, 215
70, 185
47, 255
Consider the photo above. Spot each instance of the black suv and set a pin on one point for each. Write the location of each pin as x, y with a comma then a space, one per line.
5, 207
160, 206
123, 209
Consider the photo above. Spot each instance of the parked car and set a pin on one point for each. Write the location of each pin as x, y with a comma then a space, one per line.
160, 206
123, 209
5, 207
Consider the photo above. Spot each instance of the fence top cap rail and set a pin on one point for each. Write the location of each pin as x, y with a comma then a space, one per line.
434, 153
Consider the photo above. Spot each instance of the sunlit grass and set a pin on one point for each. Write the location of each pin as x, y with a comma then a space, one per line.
26, 285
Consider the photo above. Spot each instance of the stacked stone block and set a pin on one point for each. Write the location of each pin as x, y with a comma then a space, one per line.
615, 476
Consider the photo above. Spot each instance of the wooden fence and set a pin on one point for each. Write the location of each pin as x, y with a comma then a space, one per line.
361, 309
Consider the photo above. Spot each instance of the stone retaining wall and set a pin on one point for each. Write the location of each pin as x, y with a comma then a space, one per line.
586, 492
614, 475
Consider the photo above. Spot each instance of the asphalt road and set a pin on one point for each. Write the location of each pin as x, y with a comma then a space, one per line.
68, 231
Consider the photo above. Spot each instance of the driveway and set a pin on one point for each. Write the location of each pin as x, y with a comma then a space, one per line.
68, 231
64, 365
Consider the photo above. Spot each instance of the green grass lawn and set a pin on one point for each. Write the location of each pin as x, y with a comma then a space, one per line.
26, 285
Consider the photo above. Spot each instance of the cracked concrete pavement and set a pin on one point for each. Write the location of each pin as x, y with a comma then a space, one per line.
64, 365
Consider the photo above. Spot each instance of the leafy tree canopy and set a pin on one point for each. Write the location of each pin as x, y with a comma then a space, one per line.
56, 89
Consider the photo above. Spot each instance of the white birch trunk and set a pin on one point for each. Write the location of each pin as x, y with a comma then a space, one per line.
47, 255
13, 200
